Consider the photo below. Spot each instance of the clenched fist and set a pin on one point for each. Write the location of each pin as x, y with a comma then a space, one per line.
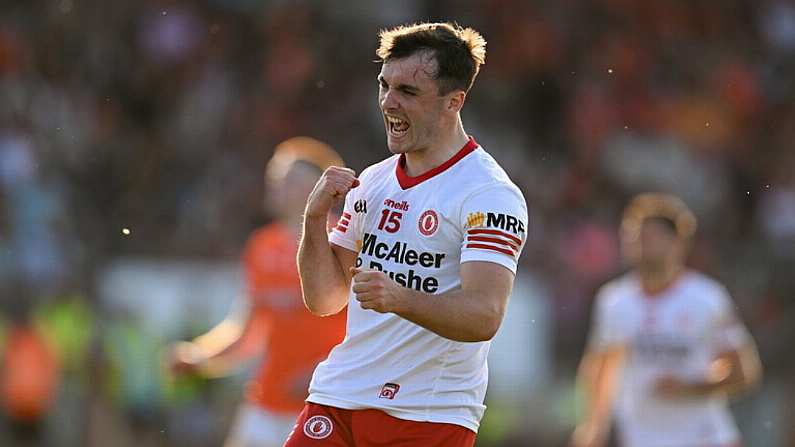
331, 188
374, 290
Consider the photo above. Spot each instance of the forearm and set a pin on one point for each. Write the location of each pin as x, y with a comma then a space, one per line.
597, 417
594, 424
731, 373
323, 281
598, 378
222, 340
734, 383
457, 315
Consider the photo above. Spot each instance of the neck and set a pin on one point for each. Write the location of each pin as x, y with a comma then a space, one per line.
655, 280
418, 162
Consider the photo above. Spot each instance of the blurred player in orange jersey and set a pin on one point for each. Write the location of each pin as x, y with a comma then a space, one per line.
278, 323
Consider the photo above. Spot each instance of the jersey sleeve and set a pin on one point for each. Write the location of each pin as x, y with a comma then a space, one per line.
727, 332
494, 223
608, 324
346, 232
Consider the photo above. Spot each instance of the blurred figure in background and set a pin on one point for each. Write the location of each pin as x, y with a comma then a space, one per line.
666, 346
276, 323
29, 374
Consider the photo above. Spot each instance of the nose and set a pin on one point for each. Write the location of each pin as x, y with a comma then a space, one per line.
388, 100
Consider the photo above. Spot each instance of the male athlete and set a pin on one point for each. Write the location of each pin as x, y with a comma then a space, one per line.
294, 340
666, 348
424, 257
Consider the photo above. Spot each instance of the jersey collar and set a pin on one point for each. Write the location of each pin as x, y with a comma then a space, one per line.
406, 181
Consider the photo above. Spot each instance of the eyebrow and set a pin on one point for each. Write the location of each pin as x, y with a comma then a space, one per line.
403, 87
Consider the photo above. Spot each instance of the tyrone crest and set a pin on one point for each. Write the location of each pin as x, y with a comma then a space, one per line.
318, 427
428, 223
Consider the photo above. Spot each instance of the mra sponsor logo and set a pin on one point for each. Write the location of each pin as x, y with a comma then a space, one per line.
400, 253
504, 222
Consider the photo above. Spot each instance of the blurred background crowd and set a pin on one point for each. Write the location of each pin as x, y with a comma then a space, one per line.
133, 135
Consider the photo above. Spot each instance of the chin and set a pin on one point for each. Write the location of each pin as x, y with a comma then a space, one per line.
397, 148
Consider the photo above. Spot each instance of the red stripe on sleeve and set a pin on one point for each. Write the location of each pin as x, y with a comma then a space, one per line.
341, 229
491, 247
346, 215
498, 233
493, 240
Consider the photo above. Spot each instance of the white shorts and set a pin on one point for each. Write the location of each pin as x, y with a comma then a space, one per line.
257, 427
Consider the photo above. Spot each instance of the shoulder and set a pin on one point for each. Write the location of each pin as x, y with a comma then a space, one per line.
377, 170
617, 291
484, 179
267, 237
706, 289
372, 176
482, 171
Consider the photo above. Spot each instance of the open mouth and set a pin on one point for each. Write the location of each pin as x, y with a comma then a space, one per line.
397, 127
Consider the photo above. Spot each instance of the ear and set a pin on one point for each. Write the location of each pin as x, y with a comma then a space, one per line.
455, 100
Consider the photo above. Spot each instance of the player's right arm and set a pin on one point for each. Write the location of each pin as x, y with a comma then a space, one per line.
600, 368
324, 267
598, 379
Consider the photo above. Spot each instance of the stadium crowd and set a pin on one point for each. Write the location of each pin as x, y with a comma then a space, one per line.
139, 129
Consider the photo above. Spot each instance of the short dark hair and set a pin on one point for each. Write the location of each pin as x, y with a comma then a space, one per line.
459, 52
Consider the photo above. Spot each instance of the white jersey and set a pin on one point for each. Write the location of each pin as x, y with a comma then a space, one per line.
677, 332
419, 230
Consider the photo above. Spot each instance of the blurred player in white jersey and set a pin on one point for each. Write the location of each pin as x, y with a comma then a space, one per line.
424, 257
666, 349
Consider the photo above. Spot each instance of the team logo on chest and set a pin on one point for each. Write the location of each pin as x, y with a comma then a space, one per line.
428, 223
318, 427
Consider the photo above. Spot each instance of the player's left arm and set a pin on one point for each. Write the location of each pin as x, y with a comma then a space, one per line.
470, 314
737, 370
731, 372
736, 366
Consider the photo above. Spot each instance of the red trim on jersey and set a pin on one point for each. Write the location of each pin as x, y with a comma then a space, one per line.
497, 233
341, 229
491, 247
491, 239
346, 215
406, 181
343, 222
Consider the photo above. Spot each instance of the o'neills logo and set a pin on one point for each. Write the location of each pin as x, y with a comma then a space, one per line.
400, 253
402, 206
